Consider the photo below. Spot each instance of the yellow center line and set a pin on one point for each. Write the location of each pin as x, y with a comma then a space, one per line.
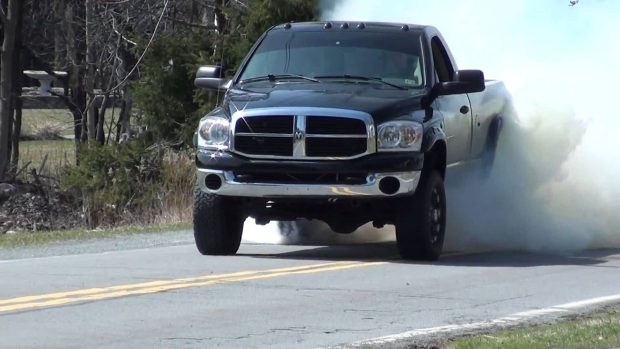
93, 294
152, 284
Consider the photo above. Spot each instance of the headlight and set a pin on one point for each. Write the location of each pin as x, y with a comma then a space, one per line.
214, 132
400, 136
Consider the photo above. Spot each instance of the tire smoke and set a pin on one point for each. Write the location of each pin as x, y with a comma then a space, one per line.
556, 180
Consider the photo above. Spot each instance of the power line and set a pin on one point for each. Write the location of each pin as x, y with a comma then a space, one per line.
148, 45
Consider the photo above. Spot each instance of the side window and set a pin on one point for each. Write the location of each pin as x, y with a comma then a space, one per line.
443, 67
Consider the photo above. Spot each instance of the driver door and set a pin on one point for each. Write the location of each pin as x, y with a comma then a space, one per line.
455, 109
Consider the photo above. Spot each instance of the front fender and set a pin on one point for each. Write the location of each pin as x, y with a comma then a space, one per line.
432, 135
434, 148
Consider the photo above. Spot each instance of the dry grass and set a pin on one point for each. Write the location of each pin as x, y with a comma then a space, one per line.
175, 198
600, 330
180, 174
59, 153
38, 121
35, 120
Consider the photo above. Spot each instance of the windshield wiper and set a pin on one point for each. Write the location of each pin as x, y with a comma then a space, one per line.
276, 77
359, 77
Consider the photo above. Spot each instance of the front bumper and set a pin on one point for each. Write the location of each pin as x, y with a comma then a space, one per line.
377, 185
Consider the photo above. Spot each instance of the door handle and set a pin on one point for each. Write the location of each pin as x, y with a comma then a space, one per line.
464, 109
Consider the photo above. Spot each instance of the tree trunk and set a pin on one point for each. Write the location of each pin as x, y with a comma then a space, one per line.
90, 72
59, 6
219, 16
221, 27
17, 91
76, 85
101, 121
7, 66
125, 114
17, 129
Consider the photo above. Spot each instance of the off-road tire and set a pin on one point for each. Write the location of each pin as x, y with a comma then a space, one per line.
421, 220
218, 225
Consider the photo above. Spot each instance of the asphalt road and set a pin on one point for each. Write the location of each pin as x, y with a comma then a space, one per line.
167, 295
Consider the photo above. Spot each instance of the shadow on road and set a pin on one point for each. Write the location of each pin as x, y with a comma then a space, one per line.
388, 252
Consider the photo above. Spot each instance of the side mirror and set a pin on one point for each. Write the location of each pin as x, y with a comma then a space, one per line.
465, 81
211, 77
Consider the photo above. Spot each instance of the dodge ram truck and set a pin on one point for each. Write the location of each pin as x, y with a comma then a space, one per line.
343, 122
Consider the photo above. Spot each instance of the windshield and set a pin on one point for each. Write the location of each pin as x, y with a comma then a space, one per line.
394, 57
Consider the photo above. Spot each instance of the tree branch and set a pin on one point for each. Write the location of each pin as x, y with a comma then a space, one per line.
193, 25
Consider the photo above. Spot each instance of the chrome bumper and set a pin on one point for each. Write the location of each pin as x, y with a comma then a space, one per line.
408, 182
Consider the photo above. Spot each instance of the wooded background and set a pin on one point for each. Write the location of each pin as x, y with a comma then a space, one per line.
141, 52
129, 86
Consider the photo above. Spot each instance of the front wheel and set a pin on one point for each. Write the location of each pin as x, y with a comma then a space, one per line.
218, 225
421, 221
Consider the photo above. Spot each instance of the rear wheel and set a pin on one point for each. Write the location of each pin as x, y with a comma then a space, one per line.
218, 225
421, 221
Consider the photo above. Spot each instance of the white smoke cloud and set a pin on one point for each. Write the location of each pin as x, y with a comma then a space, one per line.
556, 184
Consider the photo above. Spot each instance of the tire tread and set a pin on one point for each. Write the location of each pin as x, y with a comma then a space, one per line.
412, 225
217, 230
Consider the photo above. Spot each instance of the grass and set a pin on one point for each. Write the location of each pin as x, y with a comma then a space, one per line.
35, 119
600, 330
36, 123
59, 153
25, 239
42, 123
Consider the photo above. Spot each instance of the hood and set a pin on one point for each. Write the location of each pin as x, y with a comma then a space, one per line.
383, 103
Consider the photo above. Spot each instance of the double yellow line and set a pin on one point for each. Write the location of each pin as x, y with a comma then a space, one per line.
96, 294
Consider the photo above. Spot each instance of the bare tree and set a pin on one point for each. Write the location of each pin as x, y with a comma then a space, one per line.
89, 78
9, 20
16, 104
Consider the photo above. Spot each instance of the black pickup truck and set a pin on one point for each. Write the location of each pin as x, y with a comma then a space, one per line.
347, 123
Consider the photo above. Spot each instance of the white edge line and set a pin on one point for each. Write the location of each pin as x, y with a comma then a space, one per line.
513, 319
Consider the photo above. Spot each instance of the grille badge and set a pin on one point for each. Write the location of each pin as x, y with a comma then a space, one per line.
299, 137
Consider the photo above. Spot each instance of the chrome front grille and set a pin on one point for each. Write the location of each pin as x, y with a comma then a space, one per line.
303, 133
266, 124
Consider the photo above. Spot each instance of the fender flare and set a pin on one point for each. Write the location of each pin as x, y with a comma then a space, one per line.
432, 137
495, 129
